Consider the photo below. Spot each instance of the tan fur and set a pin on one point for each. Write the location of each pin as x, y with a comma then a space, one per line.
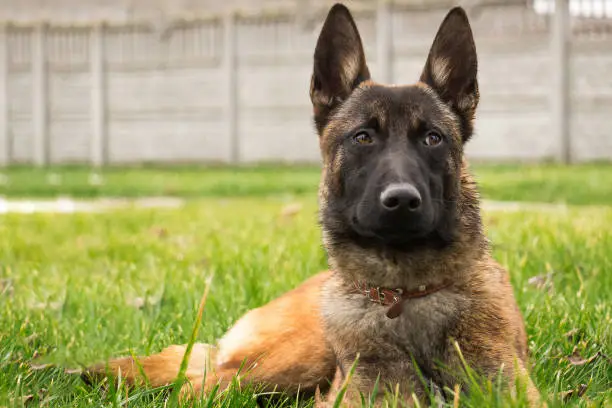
159, 369
440, 68
282, 342
279, 345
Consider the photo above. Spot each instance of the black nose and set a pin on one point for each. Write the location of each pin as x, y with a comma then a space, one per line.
400, 197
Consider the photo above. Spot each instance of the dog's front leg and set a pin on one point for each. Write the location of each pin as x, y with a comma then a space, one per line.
488, 359
360, 386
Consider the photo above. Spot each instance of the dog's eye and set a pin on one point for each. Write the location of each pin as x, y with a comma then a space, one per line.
363, 138
432, 138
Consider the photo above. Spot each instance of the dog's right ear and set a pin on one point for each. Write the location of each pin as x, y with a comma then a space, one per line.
339, 64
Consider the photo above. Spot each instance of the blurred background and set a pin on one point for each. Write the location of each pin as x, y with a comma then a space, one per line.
109, 82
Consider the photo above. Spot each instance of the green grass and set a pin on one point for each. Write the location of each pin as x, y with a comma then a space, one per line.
581, 184
178, 181
586, 184
69, 284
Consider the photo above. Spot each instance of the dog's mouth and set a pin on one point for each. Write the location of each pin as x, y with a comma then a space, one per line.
391, 233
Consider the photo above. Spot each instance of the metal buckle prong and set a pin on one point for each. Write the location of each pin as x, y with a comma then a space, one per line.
381, 295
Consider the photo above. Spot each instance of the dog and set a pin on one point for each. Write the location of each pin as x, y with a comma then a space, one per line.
413, 294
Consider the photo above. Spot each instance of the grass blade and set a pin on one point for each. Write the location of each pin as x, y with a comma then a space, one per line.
181, 378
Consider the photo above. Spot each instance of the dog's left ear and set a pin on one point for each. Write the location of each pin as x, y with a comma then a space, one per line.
452, 66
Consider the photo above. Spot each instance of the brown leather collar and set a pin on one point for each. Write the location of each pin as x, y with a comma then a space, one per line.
396, 297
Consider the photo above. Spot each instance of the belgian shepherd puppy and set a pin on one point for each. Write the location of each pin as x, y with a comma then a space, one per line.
412, 292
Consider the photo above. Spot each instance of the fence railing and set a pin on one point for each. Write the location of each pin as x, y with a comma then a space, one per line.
234, 87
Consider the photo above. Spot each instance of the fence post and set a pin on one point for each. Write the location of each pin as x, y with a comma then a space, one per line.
561, 92
39, 96
230, 66
98, 96
384, 40
4, 110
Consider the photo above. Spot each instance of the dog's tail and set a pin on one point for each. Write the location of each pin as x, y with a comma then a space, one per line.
159, 369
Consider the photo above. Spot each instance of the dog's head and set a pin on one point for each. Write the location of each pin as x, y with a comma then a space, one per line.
392, 155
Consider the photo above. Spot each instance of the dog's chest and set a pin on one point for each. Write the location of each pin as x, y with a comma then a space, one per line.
354, 325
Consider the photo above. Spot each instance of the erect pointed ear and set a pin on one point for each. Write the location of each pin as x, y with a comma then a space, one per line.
339, 64
452, 66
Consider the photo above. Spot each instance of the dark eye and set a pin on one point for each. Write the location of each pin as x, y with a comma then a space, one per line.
432, 138
363, 138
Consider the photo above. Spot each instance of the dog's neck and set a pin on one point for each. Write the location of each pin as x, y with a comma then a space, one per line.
389, 267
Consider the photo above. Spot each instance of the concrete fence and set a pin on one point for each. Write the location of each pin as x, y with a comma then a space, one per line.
233, 88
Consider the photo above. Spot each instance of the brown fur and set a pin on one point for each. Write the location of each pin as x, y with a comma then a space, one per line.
298, 341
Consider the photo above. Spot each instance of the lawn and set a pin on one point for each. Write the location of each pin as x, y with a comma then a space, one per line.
76, 289
580, 184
